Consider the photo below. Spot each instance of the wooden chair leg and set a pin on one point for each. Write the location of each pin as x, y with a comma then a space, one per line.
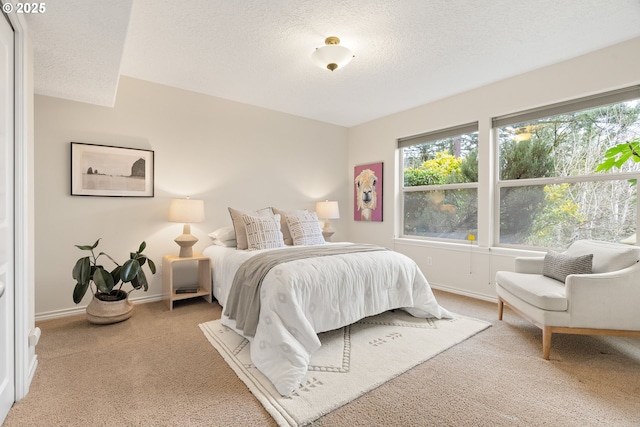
500, 308
546, 342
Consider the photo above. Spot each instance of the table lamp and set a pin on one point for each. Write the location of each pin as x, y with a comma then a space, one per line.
327, 210
187, 211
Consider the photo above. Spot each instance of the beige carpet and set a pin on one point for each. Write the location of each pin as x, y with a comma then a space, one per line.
352, 360
157, 369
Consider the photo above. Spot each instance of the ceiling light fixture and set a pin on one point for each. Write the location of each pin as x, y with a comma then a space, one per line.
332, 55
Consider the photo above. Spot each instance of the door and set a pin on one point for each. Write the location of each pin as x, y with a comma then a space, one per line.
7, 318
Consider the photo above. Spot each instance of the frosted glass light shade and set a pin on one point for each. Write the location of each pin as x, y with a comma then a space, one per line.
332, 55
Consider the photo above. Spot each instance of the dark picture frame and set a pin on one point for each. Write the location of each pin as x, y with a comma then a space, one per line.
110, 171
367, 192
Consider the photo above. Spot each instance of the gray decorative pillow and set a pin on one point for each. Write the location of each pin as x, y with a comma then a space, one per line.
558, 266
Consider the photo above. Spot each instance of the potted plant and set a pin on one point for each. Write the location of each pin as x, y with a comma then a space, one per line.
110, 303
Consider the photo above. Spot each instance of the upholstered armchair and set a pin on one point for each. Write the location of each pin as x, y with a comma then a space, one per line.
593, 289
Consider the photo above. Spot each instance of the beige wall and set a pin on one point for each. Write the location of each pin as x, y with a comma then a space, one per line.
232, 154
456, 266
227, 153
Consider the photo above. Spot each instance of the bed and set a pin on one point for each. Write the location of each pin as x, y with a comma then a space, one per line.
318, 287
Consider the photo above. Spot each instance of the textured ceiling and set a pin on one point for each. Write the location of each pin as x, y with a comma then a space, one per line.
78, 47
408, 52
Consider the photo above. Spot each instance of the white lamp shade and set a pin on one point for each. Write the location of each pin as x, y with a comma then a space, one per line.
186, 210
332, 54
327, 210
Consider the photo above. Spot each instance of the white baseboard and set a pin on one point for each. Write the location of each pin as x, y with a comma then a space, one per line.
153, 298
81, 309
483, 297
32, 372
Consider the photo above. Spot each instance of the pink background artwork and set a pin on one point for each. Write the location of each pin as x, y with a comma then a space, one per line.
367, 200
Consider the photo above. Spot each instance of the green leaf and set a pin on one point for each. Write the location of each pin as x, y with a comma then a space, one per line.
82, 271
140, 281
616, 149
115, 274
623, 157
87, 247
130, 269
152, 266
103, 280
79, 291
606, 165
142, 246
618, 155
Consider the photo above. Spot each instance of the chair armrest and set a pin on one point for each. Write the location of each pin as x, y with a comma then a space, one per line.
529, 265
605, 300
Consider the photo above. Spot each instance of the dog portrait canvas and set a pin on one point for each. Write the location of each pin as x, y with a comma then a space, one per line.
367, 186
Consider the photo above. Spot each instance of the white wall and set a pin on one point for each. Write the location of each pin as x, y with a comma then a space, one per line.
227, 153
459, 267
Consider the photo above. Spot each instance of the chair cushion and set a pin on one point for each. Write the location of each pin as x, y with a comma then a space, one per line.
538, 290
607, 256
558, 266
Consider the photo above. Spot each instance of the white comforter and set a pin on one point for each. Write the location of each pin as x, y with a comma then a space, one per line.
299, 299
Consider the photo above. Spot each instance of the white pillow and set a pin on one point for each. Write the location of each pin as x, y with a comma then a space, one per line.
284, 227
305, 229
263, 232
238, 224
223, 234
226, 243
607, 256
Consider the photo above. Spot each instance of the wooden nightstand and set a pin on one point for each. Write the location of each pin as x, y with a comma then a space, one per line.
169, 294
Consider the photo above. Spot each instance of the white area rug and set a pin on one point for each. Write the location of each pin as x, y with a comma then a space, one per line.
352, 360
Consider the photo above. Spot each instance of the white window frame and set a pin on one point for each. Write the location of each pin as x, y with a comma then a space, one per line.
607, 98
422, 139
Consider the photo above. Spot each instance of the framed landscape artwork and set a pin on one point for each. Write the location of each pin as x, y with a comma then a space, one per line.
103, 170
367, 186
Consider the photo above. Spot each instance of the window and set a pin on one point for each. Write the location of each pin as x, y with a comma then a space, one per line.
569, 172
440, 183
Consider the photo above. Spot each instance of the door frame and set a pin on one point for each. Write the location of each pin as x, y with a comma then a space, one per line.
7, 302
26, 334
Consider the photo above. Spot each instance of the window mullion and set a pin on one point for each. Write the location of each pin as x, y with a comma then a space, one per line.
440, 187
567, 179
